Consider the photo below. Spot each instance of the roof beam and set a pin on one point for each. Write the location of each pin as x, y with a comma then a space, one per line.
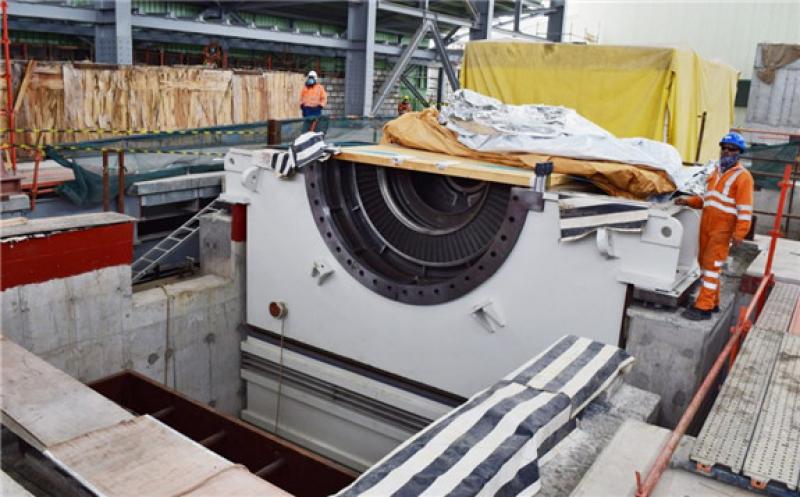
518, 34
227, 31
58, 13
423, 14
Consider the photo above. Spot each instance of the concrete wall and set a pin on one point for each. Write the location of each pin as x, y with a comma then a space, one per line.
182, 333
673, 355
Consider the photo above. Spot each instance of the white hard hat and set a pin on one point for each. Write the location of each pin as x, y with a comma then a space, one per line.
312, 74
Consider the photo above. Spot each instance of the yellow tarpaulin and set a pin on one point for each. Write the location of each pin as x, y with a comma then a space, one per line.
421, 130
656, 93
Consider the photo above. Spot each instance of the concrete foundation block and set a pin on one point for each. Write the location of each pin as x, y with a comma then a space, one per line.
48, 316
673, 355
564, 468
183, 334
215, 245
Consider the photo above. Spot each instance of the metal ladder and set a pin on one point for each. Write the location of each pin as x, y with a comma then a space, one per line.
144, 264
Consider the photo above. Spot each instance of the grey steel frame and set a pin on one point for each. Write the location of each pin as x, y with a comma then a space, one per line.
114, 27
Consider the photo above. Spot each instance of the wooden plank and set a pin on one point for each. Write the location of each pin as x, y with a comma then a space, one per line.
49, 177
431, 162
45, 406
23, 87
138, 456
13, 221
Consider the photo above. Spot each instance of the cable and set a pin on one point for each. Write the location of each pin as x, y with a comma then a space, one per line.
280, 378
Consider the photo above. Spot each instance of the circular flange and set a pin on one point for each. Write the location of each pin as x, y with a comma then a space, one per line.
414, 237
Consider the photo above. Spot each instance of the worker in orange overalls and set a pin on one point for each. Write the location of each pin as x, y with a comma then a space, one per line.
313, 97
404, 106
727, 214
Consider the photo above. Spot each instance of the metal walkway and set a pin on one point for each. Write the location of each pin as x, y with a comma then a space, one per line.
754, 426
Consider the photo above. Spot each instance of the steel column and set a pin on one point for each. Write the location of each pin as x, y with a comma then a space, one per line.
399, 68
114, 42
442, 49
555, 21
483, 30
439, 88
517, 14
360, 61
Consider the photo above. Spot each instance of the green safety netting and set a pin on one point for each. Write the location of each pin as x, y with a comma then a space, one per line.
771, 160
193, 151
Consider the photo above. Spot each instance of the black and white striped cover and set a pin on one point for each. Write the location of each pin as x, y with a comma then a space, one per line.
583, 215
492, 444
576, 367
307, 148
281, 162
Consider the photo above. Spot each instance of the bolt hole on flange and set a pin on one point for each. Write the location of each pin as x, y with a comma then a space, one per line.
410, 236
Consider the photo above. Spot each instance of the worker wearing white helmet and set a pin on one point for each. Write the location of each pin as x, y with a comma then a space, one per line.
313, 97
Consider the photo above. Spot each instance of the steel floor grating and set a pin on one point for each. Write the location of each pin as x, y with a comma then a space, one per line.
728, 430
779, 308
753, 429
774, 454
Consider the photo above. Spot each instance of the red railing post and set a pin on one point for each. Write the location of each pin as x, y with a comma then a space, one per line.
776, 230
121, 181
12, 150
35, 188
106, 183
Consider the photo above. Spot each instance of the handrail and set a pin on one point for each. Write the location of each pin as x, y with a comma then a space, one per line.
743, 325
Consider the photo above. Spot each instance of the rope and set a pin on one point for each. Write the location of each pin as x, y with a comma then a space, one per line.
112, 149
132, 132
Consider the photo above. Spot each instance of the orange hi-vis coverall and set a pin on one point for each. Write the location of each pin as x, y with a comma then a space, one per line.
727, 214
313, 96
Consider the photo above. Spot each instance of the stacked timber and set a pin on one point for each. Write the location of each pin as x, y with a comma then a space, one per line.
84, 96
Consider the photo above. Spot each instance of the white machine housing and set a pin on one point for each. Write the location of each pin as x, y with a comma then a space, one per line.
545, 289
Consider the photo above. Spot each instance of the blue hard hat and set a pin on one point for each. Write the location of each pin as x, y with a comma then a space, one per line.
734, 139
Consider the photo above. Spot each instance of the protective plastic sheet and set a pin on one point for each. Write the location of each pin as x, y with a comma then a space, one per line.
485, 124
421, 130
655, 93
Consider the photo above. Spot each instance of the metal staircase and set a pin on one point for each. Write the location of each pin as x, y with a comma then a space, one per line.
153, 257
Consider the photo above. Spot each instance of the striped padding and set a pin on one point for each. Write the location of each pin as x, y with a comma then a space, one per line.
492, 444
582, 216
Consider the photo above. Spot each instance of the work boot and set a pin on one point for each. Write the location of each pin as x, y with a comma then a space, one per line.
695, 314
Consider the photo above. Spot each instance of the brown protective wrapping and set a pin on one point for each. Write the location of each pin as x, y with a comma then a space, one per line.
421, 130
90, 96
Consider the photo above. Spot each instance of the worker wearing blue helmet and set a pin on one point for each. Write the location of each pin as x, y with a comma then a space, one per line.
727, 214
